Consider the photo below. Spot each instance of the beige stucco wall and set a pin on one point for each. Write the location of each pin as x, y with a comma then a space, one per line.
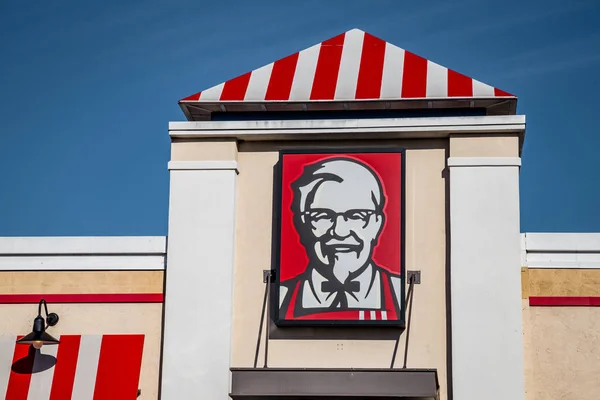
562, 282
76, 282
425, 251
202, 150
462, 145
484, 146
561, 344
562, 347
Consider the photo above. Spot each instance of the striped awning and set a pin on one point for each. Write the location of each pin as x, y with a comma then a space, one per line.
84, 367
352, 67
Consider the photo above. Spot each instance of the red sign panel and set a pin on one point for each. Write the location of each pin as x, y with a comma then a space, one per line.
339, 237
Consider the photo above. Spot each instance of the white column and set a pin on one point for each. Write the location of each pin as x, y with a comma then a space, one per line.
485, 274
199, 280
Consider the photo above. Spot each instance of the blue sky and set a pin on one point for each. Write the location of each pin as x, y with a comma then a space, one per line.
87, 90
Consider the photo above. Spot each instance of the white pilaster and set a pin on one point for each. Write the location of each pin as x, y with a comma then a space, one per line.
199, 280
487, 350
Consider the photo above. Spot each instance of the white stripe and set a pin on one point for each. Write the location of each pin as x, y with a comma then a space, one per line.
41, 382
7, 351
393, 69
481, 89
78, 263
259, 82
305, 73
437, 80
87, 366
373, 316
396, 284
349, 65
361, 315
384, 315
214, 93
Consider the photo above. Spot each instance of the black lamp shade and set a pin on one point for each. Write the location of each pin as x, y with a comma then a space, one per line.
38, 335
42, 337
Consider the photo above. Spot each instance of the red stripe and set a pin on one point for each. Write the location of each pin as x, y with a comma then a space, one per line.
282, 76
64, 370
333, 316
390, 305
371, 68
459, 85
328, 67
594, 301
367, 315
235, 89
589, 301
194, 97
18, 382
82, 298
119, 367
292, 306
502, 93
414, 77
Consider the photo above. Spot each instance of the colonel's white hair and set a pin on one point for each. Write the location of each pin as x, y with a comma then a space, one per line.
340, 169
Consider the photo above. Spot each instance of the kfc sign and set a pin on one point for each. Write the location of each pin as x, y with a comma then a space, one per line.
340, 237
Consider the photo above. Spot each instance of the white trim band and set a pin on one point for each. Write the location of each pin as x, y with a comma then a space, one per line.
376, 127
484, 162
563, 265
562, 242
82, 263
203, 165
83, 245
63, 253
561, 250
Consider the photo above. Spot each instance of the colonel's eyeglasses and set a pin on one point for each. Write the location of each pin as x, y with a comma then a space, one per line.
326, 216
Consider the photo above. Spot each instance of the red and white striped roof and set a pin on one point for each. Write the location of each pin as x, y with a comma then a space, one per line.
87, 367
353, 66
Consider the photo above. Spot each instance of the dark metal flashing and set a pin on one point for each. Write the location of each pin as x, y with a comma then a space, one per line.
331, 384
206, 111
345, 114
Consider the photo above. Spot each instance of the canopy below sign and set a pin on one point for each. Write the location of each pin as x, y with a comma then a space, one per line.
351, 71
310, 383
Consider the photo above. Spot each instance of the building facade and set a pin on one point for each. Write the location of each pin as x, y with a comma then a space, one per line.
342, 222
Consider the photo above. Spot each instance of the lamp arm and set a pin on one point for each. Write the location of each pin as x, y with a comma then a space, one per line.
40, 307
51, 318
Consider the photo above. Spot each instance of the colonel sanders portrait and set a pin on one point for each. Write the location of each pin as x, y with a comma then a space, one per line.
338, 213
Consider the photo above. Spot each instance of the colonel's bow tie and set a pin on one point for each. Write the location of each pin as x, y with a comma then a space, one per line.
339, 290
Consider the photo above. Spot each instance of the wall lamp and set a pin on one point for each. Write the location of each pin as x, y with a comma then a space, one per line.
38, 337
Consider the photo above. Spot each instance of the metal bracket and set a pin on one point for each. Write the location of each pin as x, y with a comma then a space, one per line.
416, 276
268, 275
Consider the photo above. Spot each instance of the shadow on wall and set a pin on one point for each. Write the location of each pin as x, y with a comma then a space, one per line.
27, 366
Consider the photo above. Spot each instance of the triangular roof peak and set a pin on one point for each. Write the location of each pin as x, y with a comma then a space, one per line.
343, 72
